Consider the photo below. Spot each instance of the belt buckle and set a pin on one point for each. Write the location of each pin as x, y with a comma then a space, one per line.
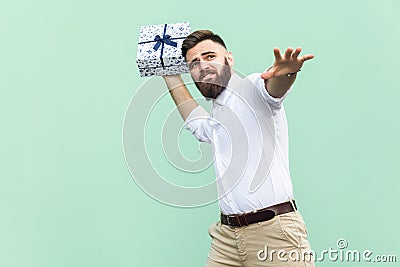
235, 216
228, 217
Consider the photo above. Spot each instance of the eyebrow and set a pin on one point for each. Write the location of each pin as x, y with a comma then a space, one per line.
203, 54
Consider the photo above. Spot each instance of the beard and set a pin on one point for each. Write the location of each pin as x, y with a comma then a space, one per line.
211, 88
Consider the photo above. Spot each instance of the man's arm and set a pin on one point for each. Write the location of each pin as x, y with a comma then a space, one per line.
181, 96
279, 77
197, 123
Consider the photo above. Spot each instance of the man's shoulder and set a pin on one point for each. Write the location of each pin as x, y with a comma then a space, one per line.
251, 83
248, 87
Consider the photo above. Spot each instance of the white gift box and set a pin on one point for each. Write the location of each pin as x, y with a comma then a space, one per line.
159, 49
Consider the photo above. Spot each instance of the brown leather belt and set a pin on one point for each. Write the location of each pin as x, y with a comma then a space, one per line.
264, 214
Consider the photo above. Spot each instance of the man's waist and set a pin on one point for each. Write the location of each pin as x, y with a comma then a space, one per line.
259, 215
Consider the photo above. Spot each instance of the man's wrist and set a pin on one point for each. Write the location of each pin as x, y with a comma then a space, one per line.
293, 73
277, 86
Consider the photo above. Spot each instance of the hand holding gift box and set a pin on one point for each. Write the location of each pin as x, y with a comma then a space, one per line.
159, 49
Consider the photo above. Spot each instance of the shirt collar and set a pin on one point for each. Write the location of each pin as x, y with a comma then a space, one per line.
230, 88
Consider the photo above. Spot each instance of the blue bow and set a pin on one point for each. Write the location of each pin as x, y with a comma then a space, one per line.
166, 40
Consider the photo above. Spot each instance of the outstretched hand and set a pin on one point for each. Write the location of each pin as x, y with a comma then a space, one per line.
289, 63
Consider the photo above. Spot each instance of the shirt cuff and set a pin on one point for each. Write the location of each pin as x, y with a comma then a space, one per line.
274, 101
191, 122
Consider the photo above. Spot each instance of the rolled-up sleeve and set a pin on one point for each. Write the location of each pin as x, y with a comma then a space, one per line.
198, 123
275, 102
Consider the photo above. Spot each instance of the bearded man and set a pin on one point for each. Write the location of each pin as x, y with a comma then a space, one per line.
259, 224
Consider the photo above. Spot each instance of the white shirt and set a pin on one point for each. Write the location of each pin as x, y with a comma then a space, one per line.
249, 134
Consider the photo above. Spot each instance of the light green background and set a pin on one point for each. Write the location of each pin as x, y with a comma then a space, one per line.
67, 74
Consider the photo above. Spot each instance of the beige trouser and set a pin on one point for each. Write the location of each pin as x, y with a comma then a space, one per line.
281, 241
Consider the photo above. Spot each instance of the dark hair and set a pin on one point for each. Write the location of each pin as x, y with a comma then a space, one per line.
196, 37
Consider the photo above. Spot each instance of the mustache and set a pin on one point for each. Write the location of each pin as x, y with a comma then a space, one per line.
203, 73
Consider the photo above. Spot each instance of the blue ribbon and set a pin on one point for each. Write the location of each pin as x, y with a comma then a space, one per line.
166, 39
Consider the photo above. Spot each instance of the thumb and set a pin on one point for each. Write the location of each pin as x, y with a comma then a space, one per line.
267, 75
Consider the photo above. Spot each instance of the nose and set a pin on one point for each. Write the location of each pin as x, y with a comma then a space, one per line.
204, 65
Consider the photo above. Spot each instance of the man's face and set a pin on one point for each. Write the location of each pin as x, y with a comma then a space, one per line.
210, 67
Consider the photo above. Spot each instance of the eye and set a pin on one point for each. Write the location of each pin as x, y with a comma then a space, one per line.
210, 57
193, 64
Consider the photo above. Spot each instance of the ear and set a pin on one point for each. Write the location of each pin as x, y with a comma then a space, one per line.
229, 58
